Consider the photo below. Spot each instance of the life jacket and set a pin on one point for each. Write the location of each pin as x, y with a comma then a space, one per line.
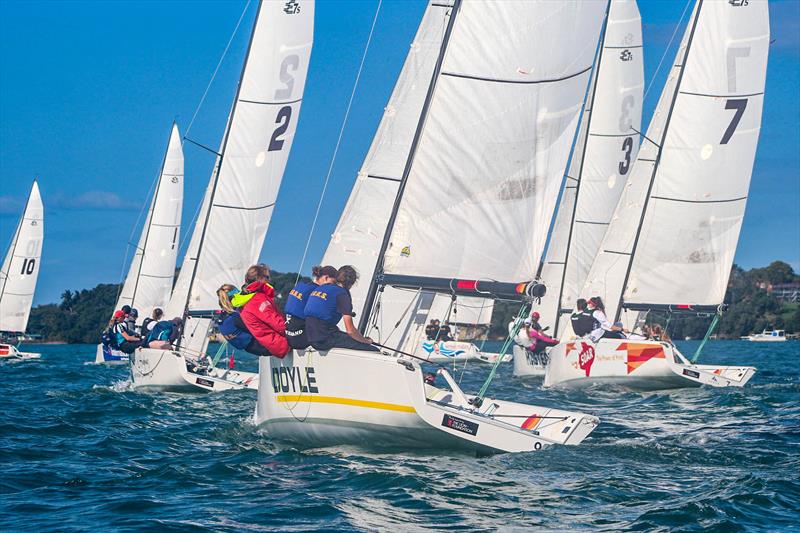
321, 303
296, 301
145, 323
117, 330
583, 323
109, 337
240, 299
161, 331
263, 319
236, 337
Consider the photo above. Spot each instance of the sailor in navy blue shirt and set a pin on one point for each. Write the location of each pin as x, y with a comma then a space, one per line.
326, 306
296, 304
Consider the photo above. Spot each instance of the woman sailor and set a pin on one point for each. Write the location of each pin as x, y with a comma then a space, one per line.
603, 328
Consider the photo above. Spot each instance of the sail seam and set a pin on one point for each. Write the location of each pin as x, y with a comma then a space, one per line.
516, 82
152, 276
616, 252
166, 225
591, 222
610, 134
622, 47
242, 208
699, 201
385, 178
270, 103
722, 95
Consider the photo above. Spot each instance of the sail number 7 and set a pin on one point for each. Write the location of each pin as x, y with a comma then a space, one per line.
288, 67
739, 106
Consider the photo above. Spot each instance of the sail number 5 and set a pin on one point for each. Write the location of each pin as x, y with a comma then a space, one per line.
284, 116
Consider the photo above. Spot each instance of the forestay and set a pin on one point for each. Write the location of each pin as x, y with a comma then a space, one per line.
483, 181
674, 234
149, 281
21, 266
605, 150
255, 148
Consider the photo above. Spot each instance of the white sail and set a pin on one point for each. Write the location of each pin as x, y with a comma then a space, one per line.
241, 195
21, 266
604, 155
149, 281
674, 233
358, 235
485, 175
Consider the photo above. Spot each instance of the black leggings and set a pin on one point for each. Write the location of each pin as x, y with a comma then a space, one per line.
296, 333
129, 346
255, 348
340, 339
613, 335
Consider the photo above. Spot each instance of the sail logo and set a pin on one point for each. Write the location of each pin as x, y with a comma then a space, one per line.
739, 3
291, 7
626, 55
294, 379
174, 179
405, 252
586, 358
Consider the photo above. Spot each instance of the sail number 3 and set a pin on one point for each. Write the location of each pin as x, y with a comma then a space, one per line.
284, 116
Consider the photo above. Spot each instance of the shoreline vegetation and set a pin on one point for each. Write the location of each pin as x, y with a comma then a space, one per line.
753, 305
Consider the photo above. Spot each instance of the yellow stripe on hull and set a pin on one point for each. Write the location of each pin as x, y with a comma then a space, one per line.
310, 398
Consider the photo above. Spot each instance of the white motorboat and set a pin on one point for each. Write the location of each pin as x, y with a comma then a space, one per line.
475, 138
9, 351
606, 147
149, 281
19, 274
777, 335
639, 364
671, 242
237, 206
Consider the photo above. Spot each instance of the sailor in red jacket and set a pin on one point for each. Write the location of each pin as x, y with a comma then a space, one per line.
264, 321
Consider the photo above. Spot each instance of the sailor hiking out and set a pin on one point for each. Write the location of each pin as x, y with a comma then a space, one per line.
231, 325
582, 320
296, 303
326, 306
261, 317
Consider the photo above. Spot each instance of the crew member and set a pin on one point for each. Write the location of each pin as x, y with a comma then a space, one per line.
149, 322
260, 315
536, 334
127, 339
231, 326
164, 334
296, 304
582, 321
604, 329
326, 306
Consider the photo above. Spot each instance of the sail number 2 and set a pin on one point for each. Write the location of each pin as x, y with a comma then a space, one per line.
283, 118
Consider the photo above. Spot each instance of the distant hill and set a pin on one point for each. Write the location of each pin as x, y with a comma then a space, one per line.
754, 304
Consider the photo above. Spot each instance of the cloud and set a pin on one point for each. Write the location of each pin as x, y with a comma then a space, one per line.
93, 199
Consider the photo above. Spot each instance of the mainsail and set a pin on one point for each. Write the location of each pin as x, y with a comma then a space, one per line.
673, 236
485, 164
607, 144
239, 200
149, 281
21, 266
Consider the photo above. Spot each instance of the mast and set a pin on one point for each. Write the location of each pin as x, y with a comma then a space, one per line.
579, 177
373, 288
219, 166
658, 158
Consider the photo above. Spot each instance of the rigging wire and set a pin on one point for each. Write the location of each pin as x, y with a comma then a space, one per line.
666, 50
338, 142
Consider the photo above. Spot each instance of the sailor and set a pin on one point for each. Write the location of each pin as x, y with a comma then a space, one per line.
582, 321
261, 317
536, 334
150, 322
130, 321
326, 306
109, 336
604, 329
127, 339
296, 304
431, 330
231, 326
445, 332
164, 333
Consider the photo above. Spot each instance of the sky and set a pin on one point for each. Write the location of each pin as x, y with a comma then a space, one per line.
89, 90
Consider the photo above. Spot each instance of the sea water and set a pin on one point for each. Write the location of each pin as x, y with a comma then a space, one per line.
79, 450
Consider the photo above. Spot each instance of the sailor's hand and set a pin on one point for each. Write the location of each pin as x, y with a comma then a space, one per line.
369, 340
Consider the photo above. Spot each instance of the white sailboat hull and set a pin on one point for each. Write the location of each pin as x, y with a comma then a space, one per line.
9, 351
527, 364
637, 364
169, 370
447, 351
372, 400
110, 356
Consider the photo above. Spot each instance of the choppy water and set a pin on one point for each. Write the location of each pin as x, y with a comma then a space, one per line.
79, 450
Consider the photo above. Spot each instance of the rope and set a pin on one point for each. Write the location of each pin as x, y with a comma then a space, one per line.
214, 75
666, 51
523, 311
705, 339
338, 142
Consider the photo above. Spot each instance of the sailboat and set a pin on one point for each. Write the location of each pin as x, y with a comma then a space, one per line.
605, 150
149, 281
474, 140
671, 243
238, 202
19, 273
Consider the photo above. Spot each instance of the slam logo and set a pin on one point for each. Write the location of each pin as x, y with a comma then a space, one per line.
294, 379
626, 55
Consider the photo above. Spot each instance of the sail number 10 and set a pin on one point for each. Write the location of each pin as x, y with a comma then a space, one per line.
28, 266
